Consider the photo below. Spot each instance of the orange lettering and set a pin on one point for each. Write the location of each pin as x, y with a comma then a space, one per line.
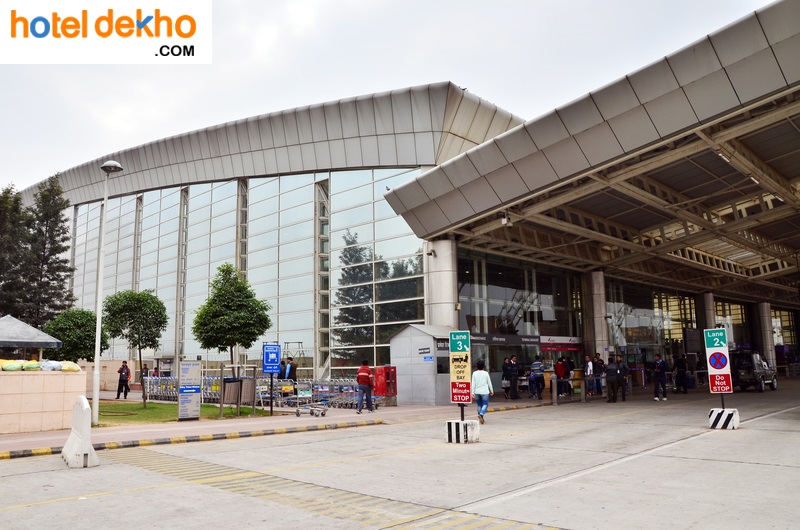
14, 21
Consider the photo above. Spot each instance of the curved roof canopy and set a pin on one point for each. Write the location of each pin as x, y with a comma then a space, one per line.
411, 127
684, 174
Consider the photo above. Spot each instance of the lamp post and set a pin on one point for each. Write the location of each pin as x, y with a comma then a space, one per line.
108, 167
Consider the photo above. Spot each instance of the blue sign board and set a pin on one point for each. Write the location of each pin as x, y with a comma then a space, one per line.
272, 359
427, 359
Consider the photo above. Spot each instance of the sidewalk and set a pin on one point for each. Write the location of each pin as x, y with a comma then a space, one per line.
284, 421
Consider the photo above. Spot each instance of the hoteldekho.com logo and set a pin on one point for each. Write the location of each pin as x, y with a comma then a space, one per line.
105, 32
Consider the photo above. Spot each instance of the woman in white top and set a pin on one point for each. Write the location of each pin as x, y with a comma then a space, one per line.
481, 388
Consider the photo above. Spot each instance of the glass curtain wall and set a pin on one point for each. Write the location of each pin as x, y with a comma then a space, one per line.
784, 336
733, 317
509, 305
376, 284
289, 232
644, 321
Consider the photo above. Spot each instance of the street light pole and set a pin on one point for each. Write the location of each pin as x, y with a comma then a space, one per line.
108, 167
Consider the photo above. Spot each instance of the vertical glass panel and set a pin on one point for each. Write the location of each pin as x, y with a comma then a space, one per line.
299, 196
297, 249
399, 290
351, 217
345, 180
296, 266
351, 255
297, 214
296, 285
393, 227
297, 231
400, 311
402, 246
292, 182
399, 268
350, 198
347, 236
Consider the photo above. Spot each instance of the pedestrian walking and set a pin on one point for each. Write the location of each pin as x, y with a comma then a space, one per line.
481, 388
660, 377
537, 377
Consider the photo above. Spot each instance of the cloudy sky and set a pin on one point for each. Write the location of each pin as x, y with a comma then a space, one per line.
527, 56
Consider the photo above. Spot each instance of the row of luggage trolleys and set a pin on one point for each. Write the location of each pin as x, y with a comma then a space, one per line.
314, 396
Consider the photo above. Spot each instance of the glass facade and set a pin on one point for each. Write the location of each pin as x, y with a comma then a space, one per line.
341, 271
518, 308
644, 321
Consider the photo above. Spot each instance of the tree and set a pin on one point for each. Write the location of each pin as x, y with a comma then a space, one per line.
232, 314
139, 318
14, 255
47, 279
355, 303
75, 328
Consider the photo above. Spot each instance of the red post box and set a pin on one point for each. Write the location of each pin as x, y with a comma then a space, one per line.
385, 381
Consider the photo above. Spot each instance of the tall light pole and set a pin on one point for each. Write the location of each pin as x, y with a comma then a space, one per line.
109, 167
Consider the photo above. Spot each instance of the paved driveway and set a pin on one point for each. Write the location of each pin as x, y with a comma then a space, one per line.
638, 464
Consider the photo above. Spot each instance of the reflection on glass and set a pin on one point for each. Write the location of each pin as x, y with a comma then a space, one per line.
363, 233
352, 275
351, 357
400, 268
401, 246
398, 290
354, 336
299, 196
400, 311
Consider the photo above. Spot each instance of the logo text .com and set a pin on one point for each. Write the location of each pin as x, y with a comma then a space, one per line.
106, 25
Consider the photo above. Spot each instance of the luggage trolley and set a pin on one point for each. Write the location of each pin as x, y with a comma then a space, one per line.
309, 400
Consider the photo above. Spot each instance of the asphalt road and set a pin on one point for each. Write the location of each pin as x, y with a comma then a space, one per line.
638, 464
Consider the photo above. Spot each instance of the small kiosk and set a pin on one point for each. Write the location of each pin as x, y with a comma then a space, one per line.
422, 357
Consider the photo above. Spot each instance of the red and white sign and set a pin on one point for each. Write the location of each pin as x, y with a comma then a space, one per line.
720, 383
460, 392
719, 366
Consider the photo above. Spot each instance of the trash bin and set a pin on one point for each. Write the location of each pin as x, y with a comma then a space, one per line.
232, 386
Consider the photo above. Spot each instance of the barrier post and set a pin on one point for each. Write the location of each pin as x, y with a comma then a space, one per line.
554, 389
78, 451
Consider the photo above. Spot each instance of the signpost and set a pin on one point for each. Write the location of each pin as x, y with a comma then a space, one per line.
271, 366
190, 379
719, 366
460, 369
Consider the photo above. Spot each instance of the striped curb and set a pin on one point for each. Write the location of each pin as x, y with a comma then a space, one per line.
102, 446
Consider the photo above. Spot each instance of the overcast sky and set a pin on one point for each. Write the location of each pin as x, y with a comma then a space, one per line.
527, 56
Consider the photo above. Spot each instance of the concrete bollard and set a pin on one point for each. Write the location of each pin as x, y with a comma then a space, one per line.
463, 432
78, 451
723, 419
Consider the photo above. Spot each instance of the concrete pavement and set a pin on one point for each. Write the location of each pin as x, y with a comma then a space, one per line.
638, 464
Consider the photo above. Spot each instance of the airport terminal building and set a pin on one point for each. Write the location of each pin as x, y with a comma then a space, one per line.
659, 205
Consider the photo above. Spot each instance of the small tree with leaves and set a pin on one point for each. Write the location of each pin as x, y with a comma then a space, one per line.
232, 315
139, 318
75, 328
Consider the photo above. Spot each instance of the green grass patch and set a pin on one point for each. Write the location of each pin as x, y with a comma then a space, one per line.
131, 412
